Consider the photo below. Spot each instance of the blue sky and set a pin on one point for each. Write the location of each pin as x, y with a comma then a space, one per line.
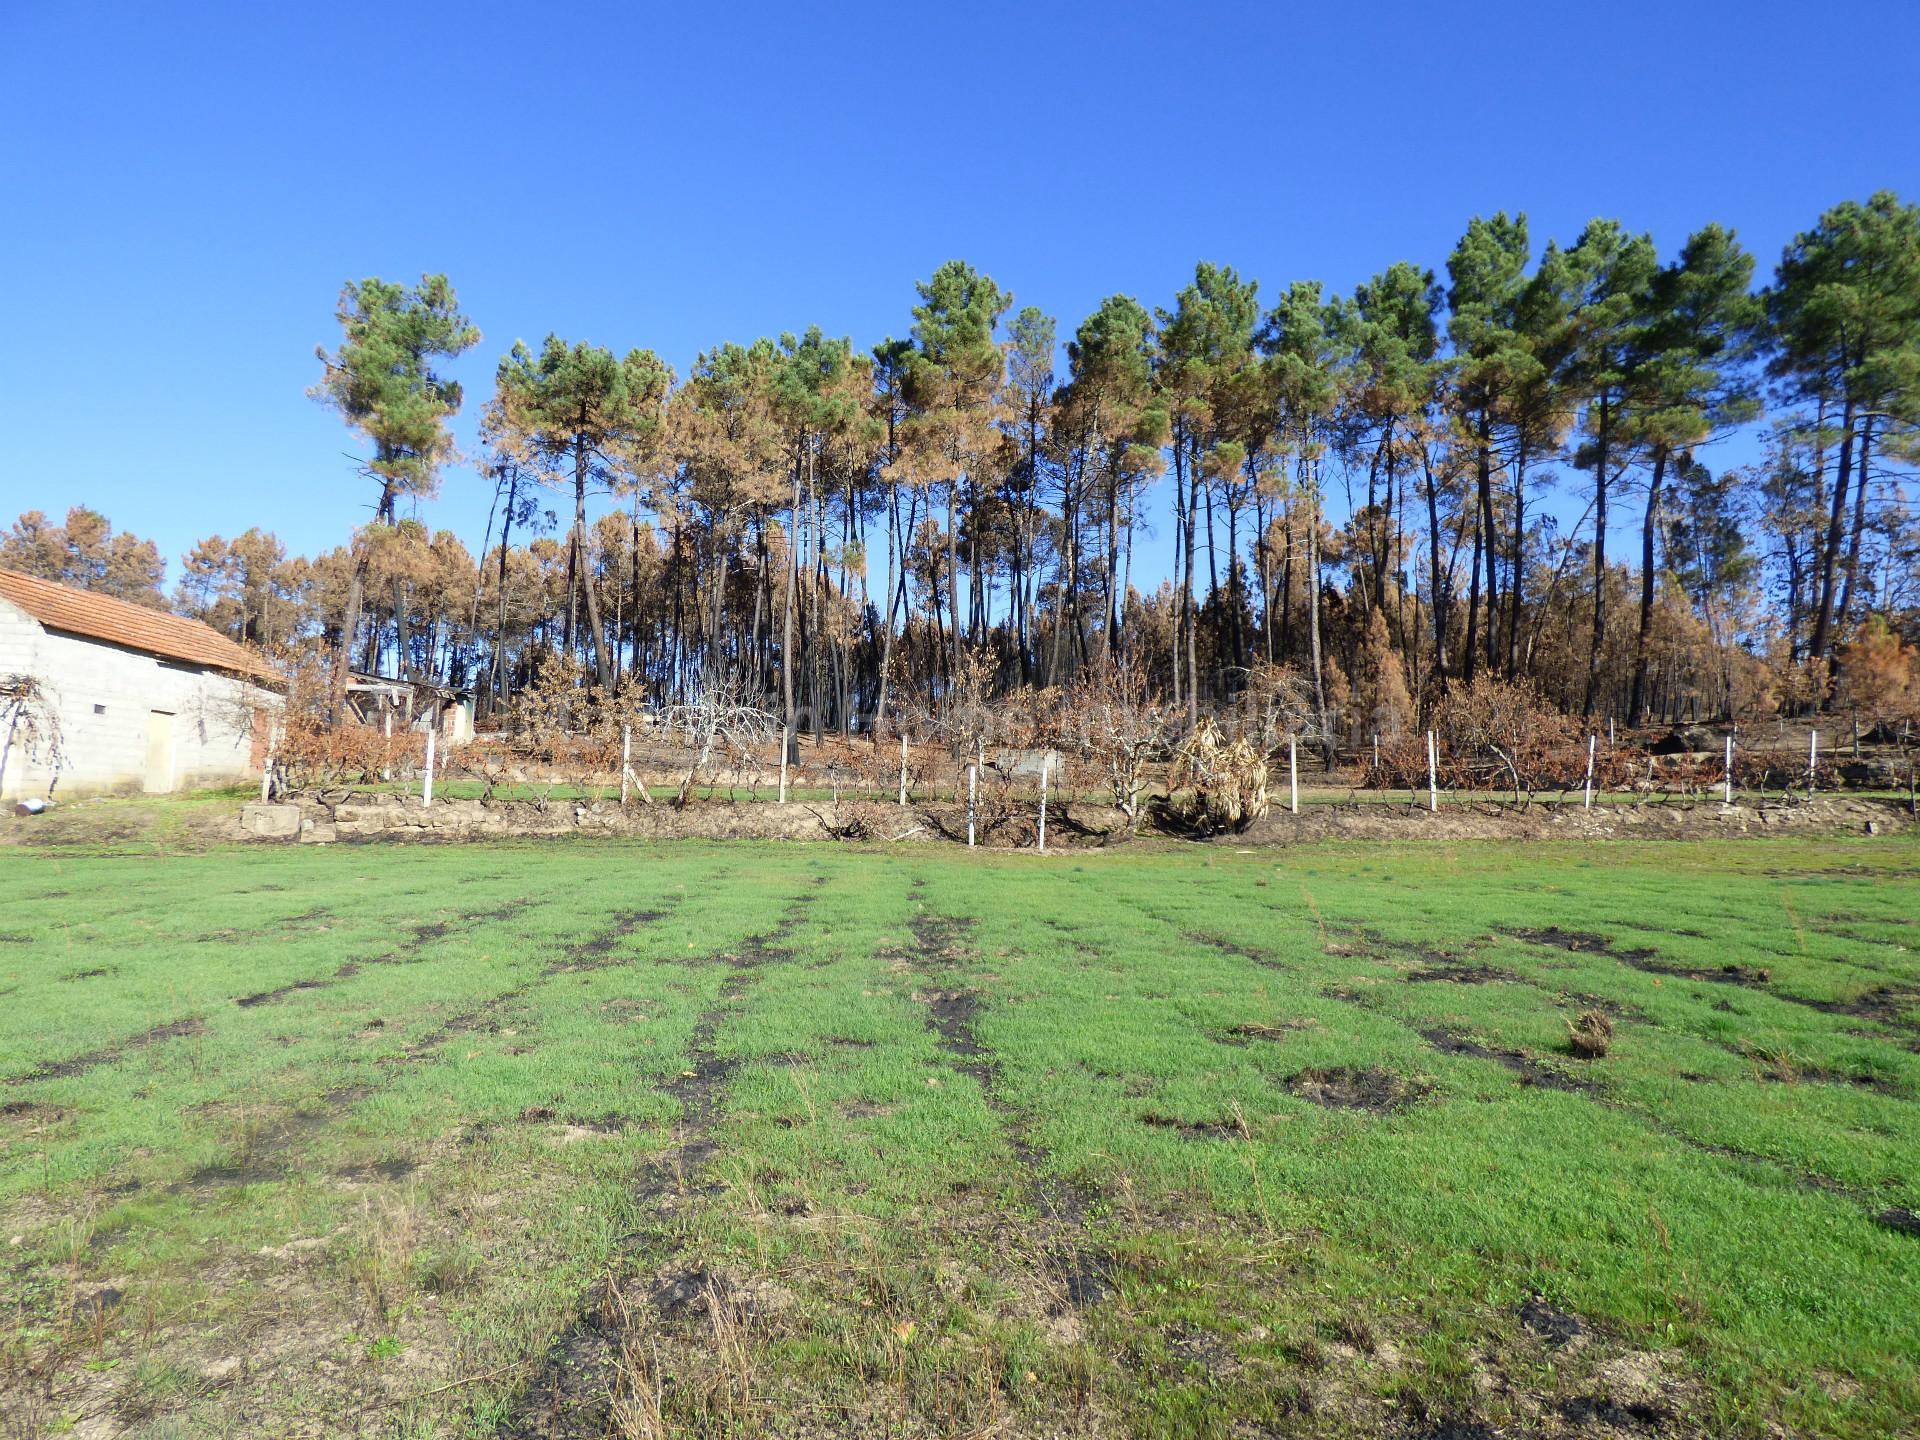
184, 189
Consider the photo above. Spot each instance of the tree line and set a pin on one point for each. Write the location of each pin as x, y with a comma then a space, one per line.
1353, 487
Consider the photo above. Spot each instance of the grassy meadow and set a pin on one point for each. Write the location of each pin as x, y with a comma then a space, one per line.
748, 1139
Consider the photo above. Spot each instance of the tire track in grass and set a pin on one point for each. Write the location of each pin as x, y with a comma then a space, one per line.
590, 954
264, 1153
284, 1146
265, 1156
571, 1393
1221, 943
420, 937
1880, 1003
111, 1052
603, 950
1886, 1004
1080, 1274
269, 1154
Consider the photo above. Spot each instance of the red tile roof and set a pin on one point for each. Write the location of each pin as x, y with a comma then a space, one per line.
153, 632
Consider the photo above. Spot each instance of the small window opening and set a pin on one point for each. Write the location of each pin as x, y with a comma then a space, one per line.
99, 709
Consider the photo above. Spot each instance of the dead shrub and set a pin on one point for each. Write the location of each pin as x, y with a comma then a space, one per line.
1276, 706
1494, 730
1590, 1034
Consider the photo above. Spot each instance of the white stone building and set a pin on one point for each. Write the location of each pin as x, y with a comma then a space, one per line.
99, 695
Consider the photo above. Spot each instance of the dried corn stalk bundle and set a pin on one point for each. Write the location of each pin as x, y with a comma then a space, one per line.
1216, 784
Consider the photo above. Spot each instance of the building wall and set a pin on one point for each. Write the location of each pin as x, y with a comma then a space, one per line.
103, 696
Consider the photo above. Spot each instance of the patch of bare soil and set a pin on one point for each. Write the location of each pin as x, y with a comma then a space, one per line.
1267, 1030
1234, 948
1462, 974
600, 950
1196, 1129
1900, 1220
1530, 1069
266, 1142
428, 932
1345, 1087
1797, 1073
1640, 958
280, 992
1888, 1004
1556, 1327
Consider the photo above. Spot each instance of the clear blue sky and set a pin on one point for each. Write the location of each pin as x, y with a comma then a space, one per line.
183, 189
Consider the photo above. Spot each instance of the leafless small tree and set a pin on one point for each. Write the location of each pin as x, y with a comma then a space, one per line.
1498, 728
1276, 706
721, 731
1115, 723
29, 726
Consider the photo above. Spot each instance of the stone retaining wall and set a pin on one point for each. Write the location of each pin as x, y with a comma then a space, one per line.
315, 821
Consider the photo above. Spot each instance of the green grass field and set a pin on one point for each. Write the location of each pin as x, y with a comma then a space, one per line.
738, 1139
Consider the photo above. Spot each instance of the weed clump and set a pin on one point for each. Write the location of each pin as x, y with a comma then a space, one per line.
1590, 1034
1774, 1062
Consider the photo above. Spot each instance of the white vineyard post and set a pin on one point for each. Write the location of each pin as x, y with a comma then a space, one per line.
1593, 743
1433, 777
973, 776
1729, 769
786, 732
903, 772
426, 791
1813, 758
1293, 775
626, 761
1046, 763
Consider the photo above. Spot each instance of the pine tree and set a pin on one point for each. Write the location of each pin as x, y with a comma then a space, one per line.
1206, 342
383, 383
1701, 318
953, 383
1487, 272
1845, 307
1300, 340
1615, 273
576, 408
